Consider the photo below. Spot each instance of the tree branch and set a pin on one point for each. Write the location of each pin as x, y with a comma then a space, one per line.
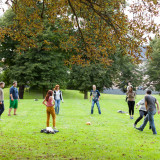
79, 29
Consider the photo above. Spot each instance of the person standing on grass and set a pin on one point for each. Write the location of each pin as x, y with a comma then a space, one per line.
2, 84
142, 111
14, 97
95, 94
49, 103
57, 97
150, 104
131, 101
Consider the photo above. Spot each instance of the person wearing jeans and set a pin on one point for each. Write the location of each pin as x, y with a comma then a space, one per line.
150, 102
131, 101
142, 111
57, 97
2, 84
95, 94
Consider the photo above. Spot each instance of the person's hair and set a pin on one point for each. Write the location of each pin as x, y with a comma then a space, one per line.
56, 87
49, 93
131, 88
2, 83
94, 85
14, 82
149, 92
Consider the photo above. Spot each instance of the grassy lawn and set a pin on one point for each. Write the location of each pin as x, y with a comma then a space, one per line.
110, 135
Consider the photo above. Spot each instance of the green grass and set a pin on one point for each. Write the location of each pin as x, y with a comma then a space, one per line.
110, 135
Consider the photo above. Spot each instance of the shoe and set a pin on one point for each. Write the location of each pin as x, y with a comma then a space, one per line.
150, 127
134, 125
9, 114
139, 129
15, 114
132, 118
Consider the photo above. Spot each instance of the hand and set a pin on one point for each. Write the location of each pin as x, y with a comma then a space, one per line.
0, 102
12, 99
98, 99
62, 101
158, 112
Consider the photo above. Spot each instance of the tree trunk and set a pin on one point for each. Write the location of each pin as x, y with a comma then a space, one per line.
44, 92
85, 94
21, 91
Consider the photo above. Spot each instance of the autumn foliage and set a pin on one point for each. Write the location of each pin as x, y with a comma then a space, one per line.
94, 27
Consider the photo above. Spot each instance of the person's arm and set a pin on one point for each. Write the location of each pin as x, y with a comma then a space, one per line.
90, 96
99, 95
44, 102
62, 97
158, 106
145, 102
11, 91
0, 96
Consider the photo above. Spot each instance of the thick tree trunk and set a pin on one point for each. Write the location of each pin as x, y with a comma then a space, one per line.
21, 91
85, 94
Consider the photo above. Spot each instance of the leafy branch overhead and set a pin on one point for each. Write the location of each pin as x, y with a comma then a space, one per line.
99, 25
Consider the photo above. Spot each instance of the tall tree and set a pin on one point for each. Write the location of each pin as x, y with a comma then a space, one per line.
107, 17
82, 78
153, 65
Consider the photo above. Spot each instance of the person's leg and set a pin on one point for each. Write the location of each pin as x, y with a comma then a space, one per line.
92, 107
132, 108
15, 106
48, 116
10, 107
144, 123
129, 106
56, 106
1, 109
140, 117
53, 117
98, 106
151, 120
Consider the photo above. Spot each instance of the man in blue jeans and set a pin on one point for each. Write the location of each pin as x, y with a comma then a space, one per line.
150, 102
95, 99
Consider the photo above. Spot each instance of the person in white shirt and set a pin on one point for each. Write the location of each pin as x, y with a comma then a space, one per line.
142, 111
57, 97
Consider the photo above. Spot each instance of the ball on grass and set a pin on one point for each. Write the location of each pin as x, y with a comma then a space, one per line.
88, 123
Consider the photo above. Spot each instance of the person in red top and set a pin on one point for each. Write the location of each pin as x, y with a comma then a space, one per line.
49, 103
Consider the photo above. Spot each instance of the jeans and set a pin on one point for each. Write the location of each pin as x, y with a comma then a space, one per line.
142, 113
57, 106
98, 106
131, 107
1, 108
149, 117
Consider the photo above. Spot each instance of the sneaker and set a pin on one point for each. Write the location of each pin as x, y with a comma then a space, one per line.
139, 129
134, 125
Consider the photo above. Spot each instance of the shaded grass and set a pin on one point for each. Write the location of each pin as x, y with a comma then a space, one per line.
110, 135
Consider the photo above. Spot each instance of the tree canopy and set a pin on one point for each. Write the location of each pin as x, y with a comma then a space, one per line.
99, 25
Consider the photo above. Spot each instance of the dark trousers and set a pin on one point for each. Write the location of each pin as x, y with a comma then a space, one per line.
142, 113
1, 108
131, 107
